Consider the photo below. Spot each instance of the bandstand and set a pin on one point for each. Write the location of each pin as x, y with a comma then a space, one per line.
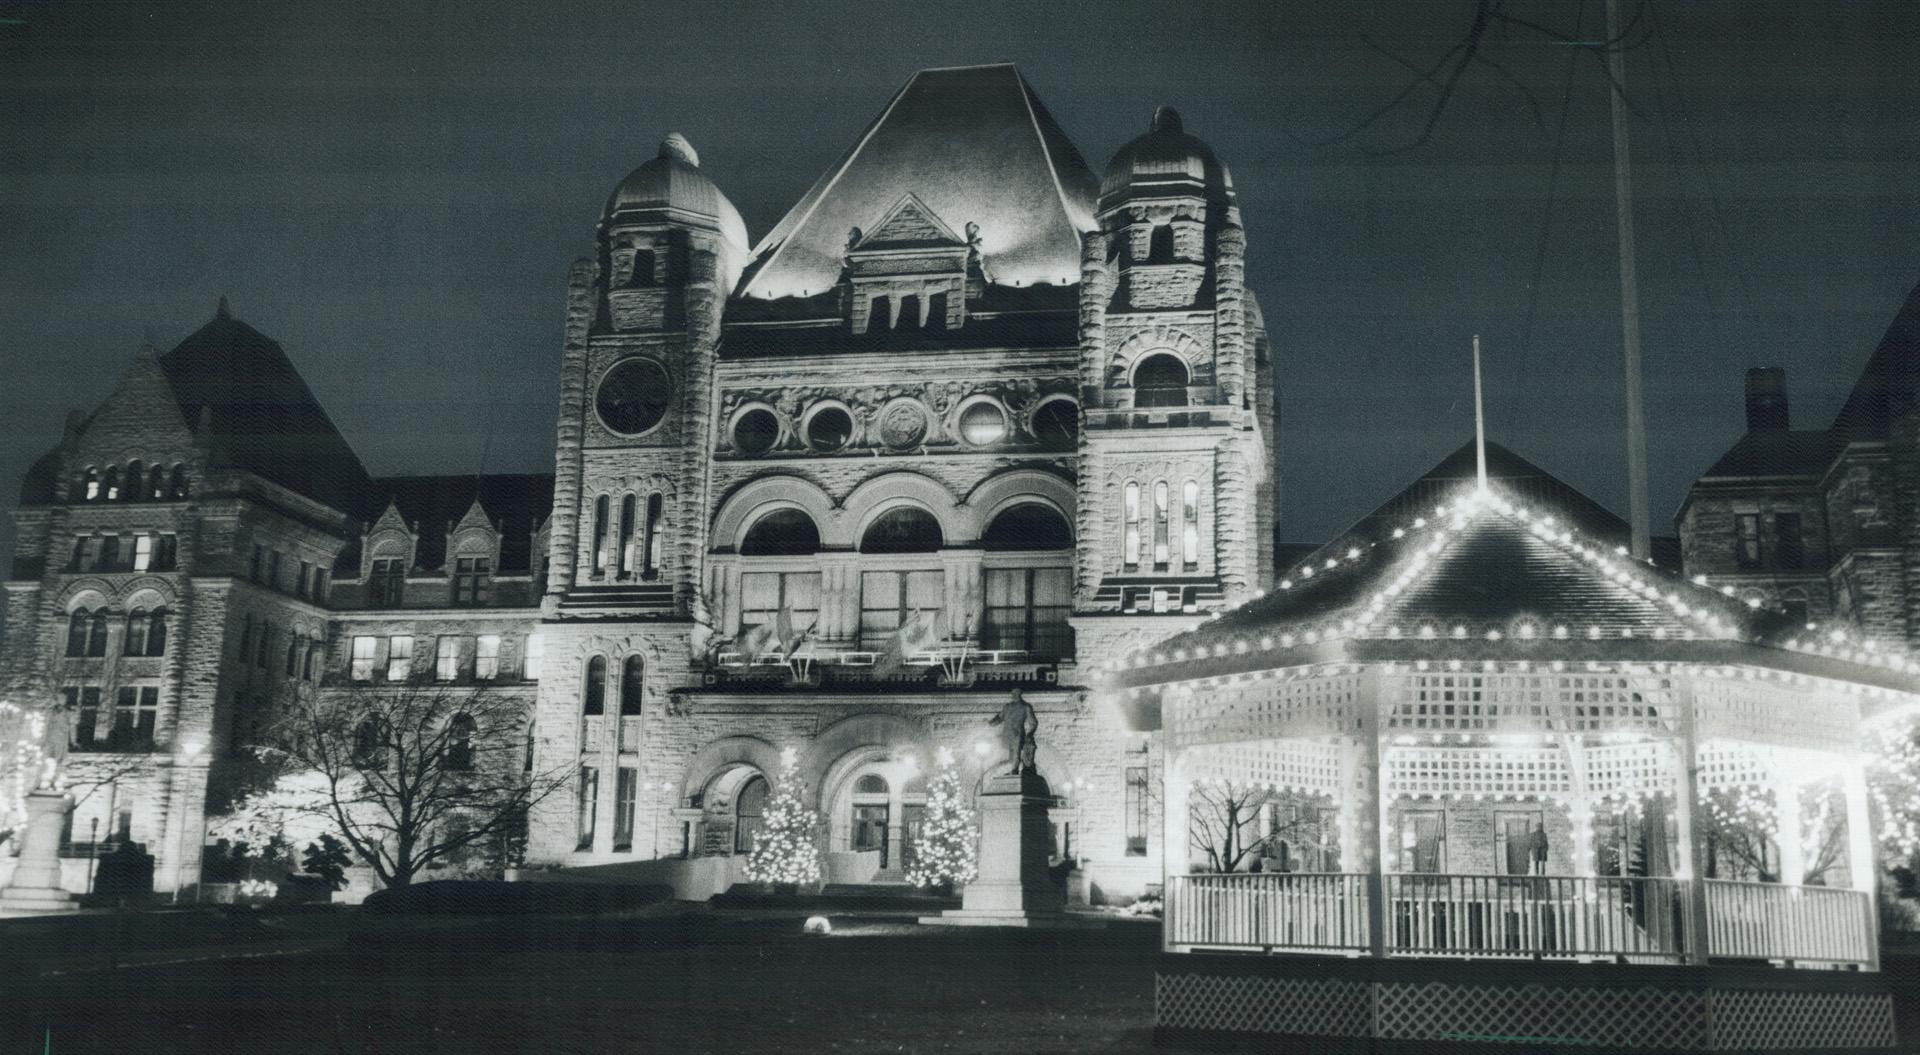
1517, 763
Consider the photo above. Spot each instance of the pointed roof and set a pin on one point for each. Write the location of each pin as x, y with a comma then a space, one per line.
909, 225
1483, 569
1891, 380
262, 416
976, 145
515, 503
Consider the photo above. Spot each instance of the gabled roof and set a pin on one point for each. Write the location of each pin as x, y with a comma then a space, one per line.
976, 146
263, 417
1778, 452
1891, 380
517, 503
909, 225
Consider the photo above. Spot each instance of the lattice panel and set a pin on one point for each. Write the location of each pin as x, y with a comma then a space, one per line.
1263, 708
1764, 712
1303, 765
1413, 771
1630, 770
1313, 1007
1749, 1020
1541, 1017
1531, 703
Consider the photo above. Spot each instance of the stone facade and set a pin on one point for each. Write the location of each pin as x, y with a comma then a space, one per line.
1035, 401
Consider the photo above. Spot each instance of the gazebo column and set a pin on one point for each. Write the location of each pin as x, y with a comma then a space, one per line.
1863, 870
1175, 819
1786, 823
1579, 804
1366, 789
1691, 867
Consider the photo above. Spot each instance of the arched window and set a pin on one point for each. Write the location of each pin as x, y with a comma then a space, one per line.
1160, 381
136, 641
157, 483
370, 742
905, 529
600, 534
594, 701
97, 633
110, 490
157, 633
633, 683
459, 752
749, 807
1160, 245
306, 668
626, 535
136, 478
656, 536
77, 624
642, 268
870, 784
292, 666
781, 533
1056, 424
1190, 523
1130, 517
90, 484
179, 487
1029, 525
1161, 552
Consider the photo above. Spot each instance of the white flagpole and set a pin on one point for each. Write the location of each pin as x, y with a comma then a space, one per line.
1629, 292
1479, 420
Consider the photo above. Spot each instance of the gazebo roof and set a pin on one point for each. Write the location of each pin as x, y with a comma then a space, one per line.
1485, 573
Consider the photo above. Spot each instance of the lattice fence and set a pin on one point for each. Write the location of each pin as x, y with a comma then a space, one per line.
1413, 771
1544, 1016
1302, 765
1766, 1020
1311, 1007
1528, 703
1764, 712
1262, 708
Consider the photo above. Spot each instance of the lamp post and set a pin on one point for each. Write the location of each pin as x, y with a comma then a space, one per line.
189, 753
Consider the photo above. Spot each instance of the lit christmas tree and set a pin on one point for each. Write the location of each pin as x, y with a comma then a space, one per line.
789, 847
945, 852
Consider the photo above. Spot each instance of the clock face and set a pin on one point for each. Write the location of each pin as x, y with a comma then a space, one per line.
633, 396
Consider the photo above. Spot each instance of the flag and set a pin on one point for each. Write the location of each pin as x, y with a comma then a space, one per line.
918, 634
791, 641
754, 640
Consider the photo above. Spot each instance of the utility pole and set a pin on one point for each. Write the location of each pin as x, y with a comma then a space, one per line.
1637, 514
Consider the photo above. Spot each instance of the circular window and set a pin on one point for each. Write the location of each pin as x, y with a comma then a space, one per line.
983, 423
829, 429
1056, 424
756, 431
903, 425
633, 396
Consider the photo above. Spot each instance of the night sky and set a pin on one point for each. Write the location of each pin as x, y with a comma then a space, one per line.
394, 192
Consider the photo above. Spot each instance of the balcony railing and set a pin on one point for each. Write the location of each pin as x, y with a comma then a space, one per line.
1624, 918
1774, 921
1297, 910
1558, 916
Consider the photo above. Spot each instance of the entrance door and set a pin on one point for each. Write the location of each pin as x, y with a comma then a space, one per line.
913, 823
870, 830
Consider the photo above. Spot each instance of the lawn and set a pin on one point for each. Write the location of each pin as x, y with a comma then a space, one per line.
685, 983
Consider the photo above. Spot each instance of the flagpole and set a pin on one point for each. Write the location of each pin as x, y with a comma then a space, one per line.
1479, 420
1629, 290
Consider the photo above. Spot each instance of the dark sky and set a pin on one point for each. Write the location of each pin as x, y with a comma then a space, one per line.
394, 192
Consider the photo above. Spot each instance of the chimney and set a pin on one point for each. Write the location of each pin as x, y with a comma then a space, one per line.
1766, 398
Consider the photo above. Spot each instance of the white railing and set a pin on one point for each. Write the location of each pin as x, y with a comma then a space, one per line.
1535, 916
1775, 921
1268, 910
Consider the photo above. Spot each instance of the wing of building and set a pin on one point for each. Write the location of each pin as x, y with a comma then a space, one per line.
971, 418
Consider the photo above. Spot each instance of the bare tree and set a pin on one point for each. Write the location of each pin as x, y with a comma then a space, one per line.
412, 774
1224, 822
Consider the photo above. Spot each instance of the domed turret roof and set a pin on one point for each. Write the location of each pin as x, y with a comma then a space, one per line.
672, 181
1164, 161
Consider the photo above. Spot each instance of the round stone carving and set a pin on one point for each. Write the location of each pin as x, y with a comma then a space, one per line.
633, 396
903, 425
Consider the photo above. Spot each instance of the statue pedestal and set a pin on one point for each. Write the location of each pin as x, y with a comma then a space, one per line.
1013, 888
36, 878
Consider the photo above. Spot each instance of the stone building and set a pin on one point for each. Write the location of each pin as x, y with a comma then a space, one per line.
1822, 523
970, 418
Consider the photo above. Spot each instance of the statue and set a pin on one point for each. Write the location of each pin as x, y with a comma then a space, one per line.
1018, 721
55, 739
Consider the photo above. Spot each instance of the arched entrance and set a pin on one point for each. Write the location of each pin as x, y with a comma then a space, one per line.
733, 808
875, 801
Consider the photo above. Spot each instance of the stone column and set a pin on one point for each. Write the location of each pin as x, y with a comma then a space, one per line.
36, 879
